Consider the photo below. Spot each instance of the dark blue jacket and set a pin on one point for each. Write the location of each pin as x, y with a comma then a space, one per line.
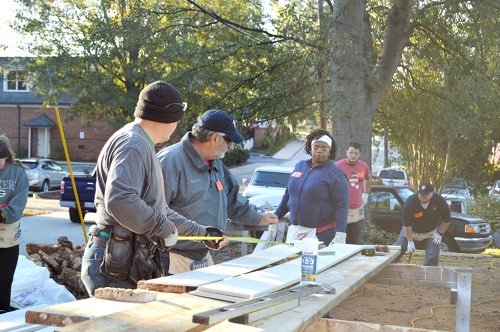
316, 196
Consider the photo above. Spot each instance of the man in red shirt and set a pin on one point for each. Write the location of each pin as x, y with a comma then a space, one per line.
359, 178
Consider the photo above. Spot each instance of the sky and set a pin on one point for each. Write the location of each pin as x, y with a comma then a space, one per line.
9, 37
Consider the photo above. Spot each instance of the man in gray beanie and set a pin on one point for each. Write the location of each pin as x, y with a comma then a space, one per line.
133, 219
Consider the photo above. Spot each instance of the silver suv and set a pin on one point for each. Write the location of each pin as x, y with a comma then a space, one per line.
43, 174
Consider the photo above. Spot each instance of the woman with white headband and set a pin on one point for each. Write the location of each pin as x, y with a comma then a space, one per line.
317, 194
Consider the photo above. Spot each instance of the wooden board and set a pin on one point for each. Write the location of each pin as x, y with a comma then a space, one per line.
345, 277
173, 313
221, 271
277, 277
336, 325
76, 311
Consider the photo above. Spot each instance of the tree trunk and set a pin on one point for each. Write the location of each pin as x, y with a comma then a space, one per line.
358, 79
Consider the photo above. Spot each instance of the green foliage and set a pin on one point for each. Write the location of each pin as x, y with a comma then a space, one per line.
487, 209
102, 53
236, 156
372, 234
442, 111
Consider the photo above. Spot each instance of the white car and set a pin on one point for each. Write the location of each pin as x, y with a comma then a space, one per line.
43, 174
268, 180
494, 192
394, 177
268, 202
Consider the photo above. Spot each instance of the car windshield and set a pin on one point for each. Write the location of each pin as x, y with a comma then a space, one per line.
270, 179
404, 193
392, 174
30, 164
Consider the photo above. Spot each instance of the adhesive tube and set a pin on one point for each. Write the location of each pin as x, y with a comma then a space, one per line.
309, 259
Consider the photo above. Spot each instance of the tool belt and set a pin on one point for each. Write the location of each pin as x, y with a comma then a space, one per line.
129, 256
99, 236
326, 227
10, 234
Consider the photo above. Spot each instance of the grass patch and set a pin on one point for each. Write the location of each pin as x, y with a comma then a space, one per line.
34, 212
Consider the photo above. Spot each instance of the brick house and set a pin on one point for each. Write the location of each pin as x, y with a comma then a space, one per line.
33, 130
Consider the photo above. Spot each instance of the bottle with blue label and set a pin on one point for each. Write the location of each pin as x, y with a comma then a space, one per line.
309, 260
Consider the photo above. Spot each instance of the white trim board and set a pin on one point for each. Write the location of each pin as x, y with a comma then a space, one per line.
262, 282
235, 267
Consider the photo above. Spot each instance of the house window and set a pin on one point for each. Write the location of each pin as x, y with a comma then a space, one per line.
15, 81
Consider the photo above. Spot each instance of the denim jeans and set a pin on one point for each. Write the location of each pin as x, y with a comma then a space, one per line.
432, 250
354, 231
326, 236
91, 275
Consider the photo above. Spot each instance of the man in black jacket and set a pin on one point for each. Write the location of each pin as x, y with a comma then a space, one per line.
426, 216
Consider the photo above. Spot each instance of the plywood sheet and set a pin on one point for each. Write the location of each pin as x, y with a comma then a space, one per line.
224, 270
269, 280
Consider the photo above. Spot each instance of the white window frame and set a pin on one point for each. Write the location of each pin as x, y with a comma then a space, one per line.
6, 81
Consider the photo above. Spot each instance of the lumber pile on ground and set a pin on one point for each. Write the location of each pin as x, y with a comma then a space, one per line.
63, 261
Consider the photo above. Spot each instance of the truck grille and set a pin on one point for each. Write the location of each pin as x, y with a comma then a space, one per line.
484, 228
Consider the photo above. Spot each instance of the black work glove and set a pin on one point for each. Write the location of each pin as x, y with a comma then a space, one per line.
213, 244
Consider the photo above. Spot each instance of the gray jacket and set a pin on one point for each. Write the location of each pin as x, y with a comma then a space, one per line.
13, 192
129, 186
207, 194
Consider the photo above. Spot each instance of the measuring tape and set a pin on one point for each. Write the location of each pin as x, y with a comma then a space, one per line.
245, 239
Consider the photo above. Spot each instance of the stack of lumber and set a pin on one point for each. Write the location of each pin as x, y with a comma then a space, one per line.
248, 277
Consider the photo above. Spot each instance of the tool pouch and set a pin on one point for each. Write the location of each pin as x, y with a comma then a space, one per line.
118, 254
146, 261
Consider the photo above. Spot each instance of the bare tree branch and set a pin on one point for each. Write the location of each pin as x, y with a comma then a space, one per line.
242, 29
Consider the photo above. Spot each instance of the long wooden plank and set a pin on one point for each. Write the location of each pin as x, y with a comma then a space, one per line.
260, 283
331, 325
221, 271
230, 326
345, 277
173, 313
76, 311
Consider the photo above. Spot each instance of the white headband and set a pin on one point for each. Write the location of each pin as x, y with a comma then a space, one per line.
324, 139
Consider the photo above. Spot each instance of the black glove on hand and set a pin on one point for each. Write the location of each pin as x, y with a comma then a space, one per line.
213, 244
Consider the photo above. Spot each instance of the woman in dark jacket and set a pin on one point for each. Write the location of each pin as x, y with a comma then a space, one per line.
317, 194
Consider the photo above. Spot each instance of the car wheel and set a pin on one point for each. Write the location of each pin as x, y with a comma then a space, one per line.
448, 245
73, 215
45, 186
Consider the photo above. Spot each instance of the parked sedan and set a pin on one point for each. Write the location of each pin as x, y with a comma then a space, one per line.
43, 174
458, 192
466, 233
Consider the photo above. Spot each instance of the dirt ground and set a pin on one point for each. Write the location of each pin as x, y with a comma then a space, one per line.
427, 308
